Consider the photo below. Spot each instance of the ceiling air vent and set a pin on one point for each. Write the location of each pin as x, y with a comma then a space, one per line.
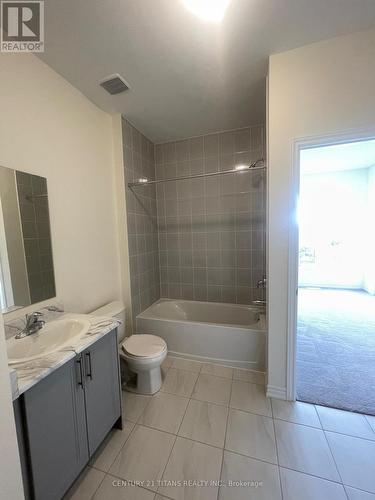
114, 84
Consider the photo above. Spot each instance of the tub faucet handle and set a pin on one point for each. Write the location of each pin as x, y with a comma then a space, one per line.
262, 283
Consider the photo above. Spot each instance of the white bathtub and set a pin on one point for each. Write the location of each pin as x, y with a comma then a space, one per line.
230, 334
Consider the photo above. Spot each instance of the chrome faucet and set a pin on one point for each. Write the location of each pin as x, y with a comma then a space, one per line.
262, 283
33, 325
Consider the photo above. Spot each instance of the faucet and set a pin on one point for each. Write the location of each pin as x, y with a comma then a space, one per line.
262, 283
33, 325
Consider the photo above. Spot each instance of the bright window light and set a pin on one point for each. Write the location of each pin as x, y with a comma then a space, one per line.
208, 10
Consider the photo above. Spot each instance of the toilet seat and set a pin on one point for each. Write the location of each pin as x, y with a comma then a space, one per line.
144, 346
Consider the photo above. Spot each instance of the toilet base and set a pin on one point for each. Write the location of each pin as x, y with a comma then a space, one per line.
147, 382
148, 372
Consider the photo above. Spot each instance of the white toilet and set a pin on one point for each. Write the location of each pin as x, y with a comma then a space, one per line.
142, 353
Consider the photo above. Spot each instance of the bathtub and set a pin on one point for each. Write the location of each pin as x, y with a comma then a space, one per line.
229, 334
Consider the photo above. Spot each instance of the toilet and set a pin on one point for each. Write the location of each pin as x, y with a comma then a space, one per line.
142, 353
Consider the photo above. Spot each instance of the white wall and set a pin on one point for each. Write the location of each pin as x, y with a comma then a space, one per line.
370, 243
321, 89
50, 129
333, 206
10, 469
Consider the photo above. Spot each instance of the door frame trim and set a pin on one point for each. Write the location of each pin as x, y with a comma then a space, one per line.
354, 135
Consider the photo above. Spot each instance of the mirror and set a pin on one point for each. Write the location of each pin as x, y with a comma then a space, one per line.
26, 263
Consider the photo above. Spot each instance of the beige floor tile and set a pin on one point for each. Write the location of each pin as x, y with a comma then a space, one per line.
164, 412
205, 422
304, 449
133, 405
297, 412
192, 461
167, 363
355, 459
113, 489
144, 455
86, 485
249, 376
217, 370
238, 468
250, 397
179, 382
164, 372
345, 422
212, 389
187, 364
251, 435
109, 449
354, 494
297, 486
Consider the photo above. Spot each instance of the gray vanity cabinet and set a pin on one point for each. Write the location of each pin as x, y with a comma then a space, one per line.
67, 415
56, 431
102, 392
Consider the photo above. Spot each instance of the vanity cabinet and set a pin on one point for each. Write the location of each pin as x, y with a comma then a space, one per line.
102, 389
67, 415
54, 412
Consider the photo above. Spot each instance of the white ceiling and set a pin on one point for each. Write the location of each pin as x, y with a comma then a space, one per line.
339, 157
187, 76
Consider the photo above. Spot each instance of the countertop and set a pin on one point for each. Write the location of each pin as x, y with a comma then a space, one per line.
30, 373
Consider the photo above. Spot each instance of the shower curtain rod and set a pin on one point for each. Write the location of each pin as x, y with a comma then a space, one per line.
253, 166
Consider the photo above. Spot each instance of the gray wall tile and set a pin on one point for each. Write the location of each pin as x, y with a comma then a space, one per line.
207, 234
141, 205
220, 220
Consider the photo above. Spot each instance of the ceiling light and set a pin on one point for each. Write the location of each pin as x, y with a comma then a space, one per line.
208, 10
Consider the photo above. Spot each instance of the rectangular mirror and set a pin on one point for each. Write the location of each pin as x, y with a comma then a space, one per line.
26, 263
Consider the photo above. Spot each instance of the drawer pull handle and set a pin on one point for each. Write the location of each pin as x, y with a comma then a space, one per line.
80, 381
89, 371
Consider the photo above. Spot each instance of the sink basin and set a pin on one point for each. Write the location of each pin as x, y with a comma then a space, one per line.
52, 337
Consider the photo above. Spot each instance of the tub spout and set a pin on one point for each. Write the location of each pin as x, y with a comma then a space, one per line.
259, 303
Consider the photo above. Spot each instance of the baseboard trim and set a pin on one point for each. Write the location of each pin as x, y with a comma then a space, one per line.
276, 392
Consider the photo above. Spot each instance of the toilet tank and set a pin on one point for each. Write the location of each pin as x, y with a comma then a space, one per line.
114, 310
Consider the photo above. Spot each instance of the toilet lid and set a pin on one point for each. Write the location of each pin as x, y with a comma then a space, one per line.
143, 345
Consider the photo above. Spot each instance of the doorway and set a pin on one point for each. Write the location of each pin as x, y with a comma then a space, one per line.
335, 326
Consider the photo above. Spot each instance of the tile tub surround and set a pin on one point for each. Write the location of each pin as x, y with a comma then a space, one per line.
139, 163
31, 372
208, 441
201, 239
212, 230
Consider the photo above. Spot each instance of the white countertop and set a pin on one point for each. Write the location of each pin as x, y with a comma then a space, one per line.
31, 372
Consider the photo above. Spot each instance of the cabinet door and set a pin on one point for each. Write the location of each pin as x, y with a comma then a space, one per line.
20, 429
56, 430
102, 388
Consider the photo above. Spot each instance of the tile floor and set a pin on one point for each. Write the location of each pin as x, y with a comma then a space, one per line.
211, 433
